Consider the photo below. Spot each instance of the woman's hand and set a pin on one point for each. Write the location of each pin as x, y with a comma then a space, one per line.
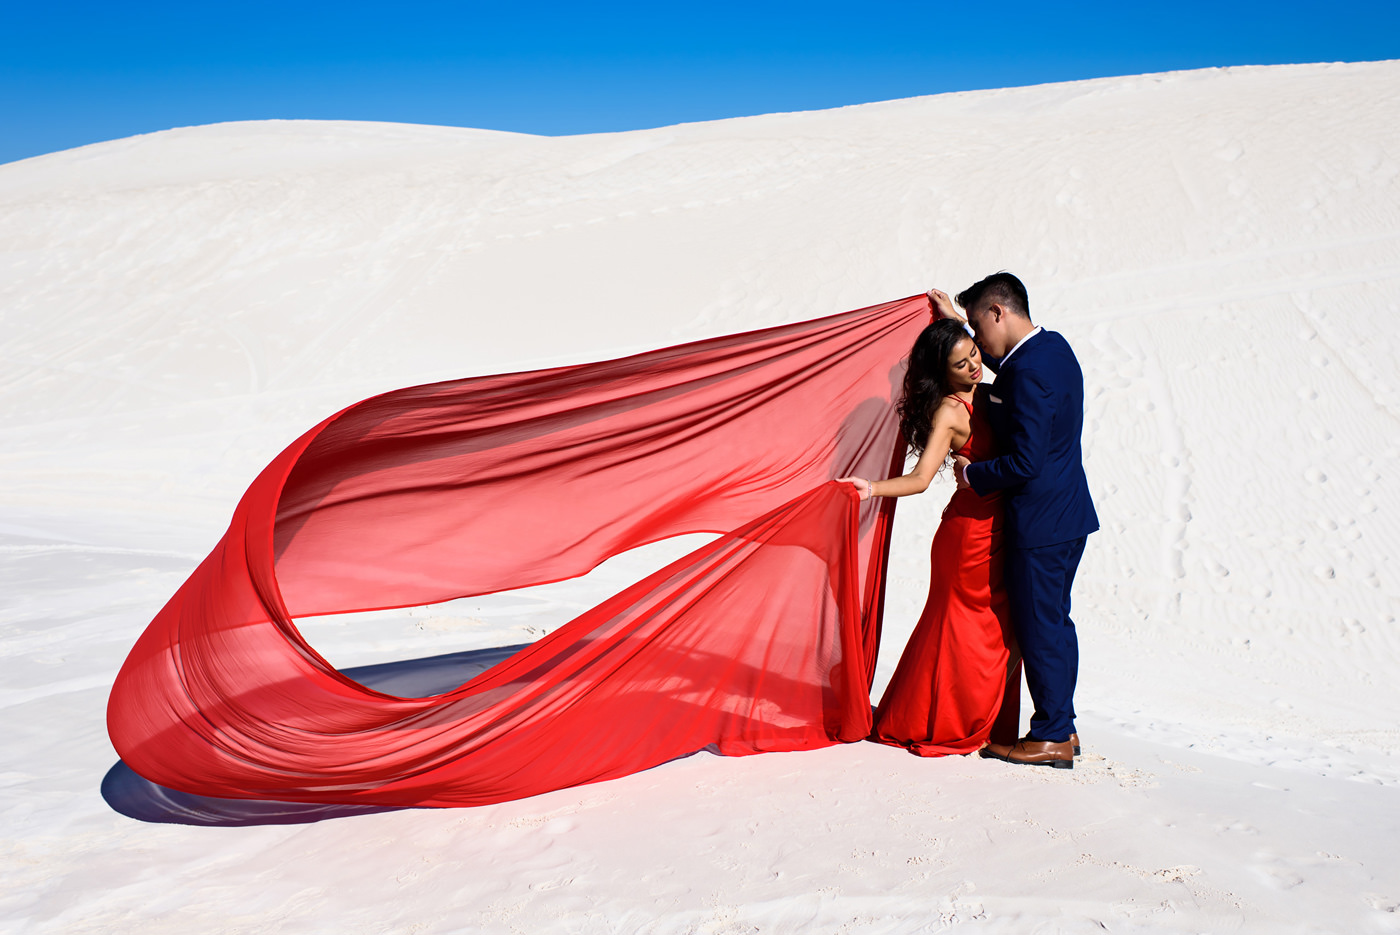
863, 487
942, 305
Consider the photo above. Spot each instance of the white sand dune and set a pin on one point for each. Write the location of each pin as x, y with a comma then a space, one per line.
1222, 248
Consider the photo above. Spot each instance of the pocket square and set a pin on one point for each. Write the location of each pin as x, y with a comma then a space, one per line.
994, 399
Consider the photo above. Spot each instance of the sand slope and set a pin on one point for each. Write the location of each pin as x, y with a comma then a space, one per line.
1220, 247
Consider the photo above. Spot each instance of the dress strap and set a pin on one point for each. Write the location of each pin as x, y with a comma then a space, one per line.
961, 400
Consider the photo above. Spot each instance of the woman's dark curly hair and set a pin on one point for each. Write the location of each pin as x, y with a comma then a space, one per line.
926, 380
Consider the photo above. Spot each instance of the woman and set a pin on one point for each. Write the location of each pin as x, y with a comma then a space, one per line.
958, 681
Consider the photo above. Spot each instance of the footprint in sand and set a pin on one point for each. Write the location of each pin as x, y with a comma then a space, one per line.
1381, 903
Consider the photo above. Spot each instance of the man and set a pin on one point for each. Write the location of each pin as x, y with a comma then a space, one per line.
1036, 408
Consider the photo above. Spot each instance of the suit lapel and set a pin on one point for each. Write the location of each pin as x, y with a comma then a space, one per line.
1001, 398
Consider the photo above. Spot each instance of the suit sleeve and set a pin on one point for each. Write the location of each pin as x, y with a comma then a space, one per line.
1030, 422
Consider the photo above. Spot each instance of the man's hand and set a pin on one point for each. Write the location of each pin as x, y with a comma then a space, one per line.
959, 462
942, 305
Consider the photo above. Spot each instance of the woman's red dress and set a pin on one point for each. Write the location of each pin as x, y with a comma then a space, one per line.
958, 683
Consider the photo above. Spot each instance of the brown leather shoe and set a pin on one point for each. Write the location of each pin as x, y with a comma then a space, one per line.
1074, 742
1033, 753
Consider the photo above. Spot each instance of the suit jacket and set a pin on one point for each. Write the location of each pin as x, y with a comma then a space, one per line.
1036, 408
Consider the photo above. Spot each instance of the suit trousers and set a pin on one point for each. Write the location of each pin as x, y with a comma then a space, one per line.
1038, 583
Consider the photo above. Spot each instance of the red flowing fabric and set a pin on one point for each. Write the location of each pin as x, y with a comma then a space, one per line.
763, 639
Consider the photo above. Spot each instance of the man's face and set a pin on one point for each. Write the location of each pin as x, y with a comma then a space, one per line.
987, 324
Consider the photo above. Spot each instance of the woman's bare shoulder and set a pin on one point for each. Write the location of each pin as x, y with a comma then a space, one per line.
950, 412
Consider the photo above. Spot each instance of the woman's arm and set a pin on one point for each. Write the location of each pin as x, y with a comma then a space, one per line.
947, 420
943, 307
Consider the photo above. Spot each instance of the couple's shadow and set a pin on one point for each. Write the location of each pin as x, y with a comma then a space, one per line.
135, 797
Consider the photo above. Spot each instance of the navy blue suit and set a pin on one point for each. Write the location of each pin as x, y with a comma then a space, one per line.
1036, 408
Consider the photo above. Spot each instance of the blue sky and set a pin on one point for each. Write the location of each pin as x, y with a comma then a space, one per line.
73, 73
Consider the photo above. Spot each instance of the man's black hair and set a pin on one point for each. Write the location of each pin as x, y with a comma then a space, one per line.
1002, 288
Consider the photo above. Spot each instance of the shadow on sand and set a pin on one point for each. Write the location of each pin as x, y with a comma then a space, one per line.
135, 797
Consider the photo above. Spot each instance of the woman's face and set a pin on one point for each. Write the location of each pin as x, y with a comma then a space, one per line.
964, 365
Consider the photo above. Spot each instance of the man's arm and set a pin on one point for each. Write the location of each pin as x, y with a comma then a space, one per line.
1030, 422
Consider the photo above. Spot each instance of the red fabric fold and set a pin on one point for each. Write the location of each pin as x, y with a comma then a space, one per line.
763, 639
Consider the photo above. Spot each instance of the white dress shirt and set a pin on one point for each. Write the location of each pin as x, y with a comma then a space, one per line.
1030, 334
